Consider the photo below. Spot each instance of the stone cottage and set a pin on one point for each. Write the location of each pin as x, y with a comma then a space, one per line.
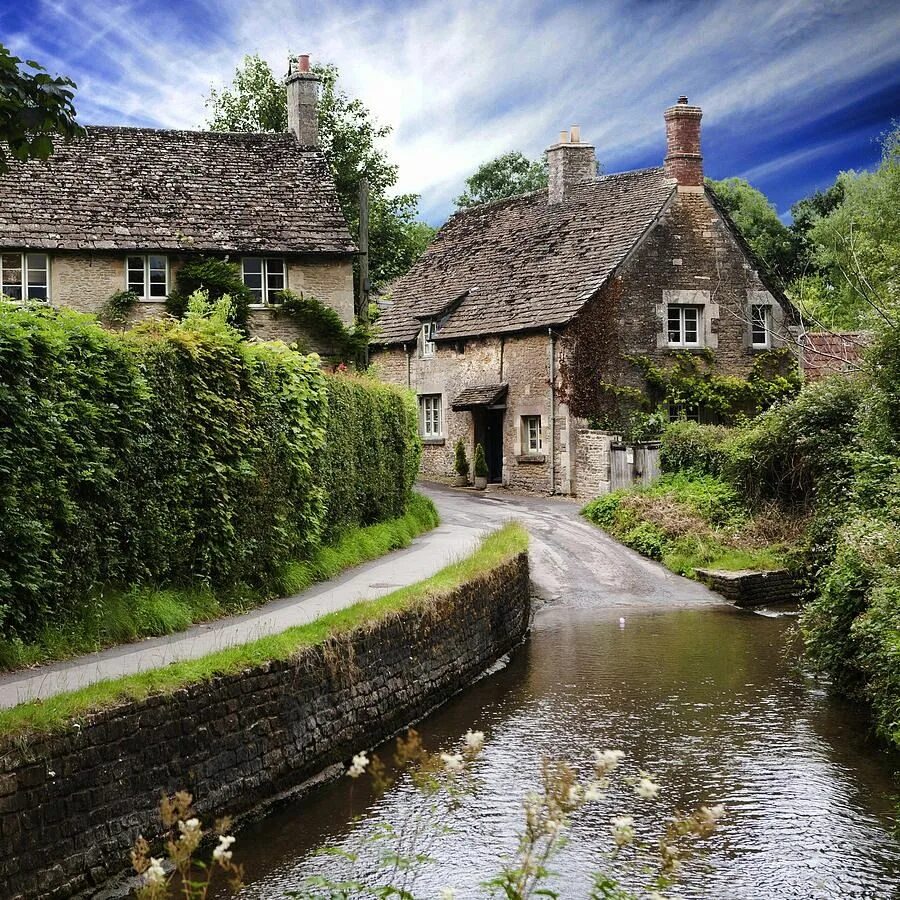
123, 208
520, 309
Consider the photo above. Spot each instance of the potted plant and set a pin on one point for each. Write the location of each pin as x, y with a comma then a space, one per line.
481, 469
461, 465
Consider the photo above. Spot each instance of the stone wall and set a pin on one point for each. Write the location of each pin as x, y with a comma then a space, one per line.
752, 588
72, 804
85, 281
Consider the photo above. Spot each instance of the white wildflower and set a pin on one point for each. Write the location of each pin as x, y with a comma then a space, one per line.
594, 791
622, 828
607, 760
188, 829
646, 787
155, 873
51, 773
447, 893
222, 854
474, 740
453, 762
358, 766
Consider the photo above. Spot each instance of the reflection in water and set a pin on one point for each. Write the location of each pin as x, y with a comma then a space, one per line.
709, 700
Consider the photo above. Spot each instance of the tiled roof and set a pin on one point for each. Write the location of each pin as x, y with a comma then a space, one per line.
141, 188
829, 353
525, 263
480, 395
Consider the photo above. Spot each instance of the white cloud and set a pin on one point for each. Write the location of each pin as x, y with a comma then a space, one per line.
463, 81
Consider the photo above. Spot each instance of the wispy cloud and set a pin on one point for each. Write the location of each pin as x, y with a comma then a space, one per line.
461, 82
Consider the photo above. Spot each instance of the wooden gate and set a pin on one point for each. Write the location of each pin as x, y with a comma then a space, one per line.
632, 464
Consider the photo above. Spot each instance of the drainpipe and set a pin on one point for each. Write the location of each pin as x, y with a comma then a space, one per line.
408, 367
552, 411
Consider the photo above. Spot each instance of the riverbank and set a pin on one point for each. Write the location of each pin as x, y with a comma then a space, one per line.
80, 776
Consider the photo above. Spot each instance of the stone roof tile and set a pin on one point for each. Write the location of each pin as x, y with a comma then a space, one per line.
143, 188
524, 263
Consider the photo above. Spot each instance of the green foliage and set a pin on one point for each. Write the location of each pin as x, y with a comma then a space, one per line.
34, 109
689, 447
325, 326
41, 716
460, 460
117, 308
217, 278
691, 382
506, 176
372, 451
481, 468
119, 615
352, 143
179, 454
773, 242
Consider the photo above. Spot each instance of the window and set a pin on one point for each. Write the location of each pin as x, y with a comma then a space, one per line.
25, 276
430, 415
264, 277
148, 276
684, 326
759, 324
429, 328
531, 434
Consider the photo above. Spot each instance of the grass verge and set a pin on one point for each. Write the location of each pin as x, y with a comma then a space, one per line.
689, 521
121, 616
41, 716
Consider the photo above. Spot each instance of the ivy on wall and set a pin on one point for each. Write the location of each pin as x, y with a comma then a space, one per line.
116, 310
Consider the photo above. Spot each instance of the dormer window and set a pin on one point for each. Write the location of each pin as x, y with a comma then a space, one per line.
429, 329
265, 278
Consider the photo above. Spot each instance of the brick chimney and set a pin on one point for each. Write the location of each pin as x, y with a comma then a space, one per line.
684, 161
570, 162
302, 101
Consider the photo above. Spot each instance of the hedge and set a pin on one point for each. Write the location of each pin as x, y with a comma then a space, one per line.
176, 453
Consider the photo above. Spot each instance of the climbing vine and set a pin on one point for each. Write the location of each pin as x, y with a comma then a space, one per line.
116, 309
217, 277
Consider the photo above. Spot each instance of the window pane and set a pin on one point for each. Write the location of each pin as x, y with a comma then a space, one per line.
136, 274
759, 324
674, 325
253, 264
157, 269
36, 261
11, 284
690, 324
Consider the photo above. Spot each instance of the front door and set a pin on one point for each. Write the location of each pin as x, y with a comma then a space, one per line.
489, 433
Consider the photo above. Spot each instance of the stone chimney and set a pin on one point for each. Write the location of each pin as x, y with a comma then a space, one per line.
302, 101
684, 162
570, 162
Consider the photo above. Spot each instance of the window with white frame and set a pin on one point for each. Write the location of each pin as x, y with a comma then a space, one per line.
531, 434
429, 327
430, 415
25, 276
265, 278
148, 276
760, 324
683, 325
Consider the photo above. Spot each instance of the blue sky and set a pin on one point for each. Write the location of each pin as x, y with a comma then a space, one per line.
793, 91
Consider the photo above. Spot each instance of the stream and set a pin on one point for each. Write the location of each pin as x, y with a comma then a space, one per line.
713, 701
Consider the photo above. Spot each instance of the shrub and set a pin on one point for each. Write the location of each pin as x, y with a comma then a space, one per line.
460, 461
324, 325
116, 309
647, 539
177, 453
687, 446
602, 510
217, 277
481, 469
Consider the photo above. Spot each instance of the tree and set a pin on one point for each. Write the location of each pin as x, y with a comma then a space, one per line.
506, 176
34, 108
755, 216
350, 141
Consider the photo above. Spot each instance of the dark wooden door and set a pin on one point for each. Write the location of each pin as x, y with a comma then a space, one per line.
489, 433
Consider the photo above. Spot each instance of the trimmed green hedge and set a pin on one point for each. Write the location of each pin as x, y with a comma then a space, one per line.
177, 453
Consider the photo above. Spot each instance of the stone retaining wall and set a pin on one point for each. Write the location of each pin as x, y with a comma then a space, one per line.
72, 803
746, 588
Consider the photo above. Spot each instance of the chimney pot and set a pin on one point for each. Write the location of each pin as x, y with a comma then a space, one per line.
575, 134
564, 137
303, 63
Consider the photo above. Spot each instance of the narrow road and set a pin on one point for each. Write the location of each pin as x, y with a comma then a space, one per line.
570, 559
